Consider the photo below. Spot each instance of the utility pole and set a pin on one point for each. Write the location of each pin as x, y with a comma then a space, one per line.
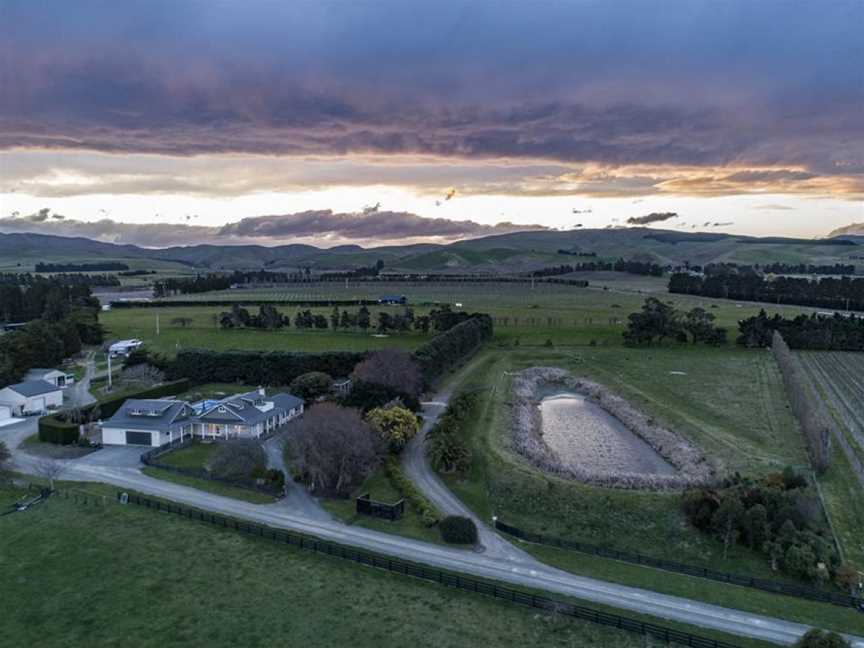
109, 369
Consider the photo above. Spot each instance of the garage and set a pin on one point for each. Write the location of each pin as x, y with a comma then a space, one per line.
5, 412
138, 438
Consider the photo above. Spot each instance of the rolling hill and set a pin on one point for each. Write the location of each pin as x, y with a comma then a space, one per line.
502, 253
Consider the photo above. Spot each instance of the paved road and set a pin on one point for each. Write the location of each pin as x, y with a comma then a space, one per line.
505, 568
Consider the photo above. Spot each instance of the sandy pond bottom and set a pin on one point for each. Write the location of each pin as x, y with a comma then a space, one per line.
585, 435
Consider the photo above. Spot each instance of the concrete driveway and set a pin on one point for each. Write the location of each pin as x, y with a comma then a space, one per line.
115, 457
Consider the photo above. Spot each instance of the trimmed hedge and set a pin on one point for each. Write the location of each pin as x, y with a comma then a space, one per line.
259, 367
410, 492
59, 432
456, 529
53, 429
454, 346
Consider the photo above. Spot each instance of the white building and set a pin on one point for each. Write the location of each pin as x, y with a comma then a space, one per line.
54, 376
157, 422
31, 397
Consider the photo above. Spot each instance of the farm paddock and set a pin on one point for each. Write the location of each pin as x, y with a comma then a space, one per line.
729, 402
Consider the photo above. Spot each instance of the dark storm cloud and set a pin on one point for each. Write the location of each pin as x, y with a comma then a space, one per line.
323, 226
697, 84
653, 217
365, 225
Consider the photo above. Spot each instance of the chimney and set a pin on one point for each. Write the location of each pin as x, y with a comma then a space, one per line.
261, 392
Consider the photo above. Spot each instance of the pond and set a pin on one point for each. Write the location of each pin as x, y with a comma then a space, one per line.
584, 435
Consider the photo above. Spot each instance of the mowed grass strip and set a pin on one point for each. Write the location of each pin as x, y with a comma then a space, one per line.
117, 575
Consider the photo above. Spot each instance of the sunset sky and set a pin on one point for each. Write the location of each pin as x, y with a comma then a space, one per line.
378, 122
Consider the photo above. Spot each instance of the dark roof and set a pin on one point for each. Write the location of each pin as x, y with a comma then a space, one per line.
155, 414
33, 387
286, 401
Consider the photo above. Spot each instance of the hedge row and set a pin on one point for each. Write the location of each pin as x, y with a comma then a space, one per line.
259, 368
410, 492
454, 346
306, 303
53, 429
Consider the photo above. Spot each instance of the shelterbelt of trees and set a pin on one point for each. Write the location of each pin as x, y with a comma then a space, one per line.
60, 319
67, 279
104, 266
813, 332
829, 292
770, 268
620, 265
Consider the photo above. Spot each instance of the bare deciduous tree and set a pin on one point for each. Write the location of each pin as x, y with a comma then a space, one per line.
394, 368
142, 375
333, 449
49, 469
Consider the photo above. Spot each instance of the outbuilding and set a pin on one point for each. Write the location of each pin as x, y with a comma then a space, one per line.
31, 397
54, 376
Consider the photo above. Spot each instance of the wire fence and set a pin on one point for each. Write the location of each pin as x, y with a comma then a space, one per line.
776, 587
431, 574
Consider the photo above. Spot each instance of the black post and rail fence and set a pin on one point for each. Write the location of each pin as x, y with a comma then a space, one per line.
446, 578
776, 587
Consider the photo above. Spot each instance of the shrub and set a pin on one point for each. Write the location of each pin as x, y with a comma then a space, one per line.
366, 396
456, 529
54, 430
5, 456
311, 385
446, 444
816, 638
396, 425
407, 489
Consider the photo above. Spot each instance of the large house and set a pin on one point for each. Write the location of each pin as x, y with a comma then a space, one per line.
31, 397
157, 422
54, 376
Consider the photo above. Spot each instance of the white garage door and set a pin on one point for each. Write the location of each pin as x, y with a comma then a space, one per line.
38, 404
5, 412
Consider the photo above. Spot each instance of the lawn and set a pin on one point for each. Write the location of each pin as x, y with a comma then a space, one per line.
197, 456
379, 488
219, 588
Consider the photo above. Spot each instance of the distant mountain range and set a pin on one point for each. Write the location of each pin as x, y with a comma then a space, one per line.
503, 253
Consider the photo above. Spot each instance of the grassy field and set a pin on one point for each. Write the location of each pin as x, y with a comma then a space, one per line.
563, 315
749, 426
504, 484
166, 581
203, 332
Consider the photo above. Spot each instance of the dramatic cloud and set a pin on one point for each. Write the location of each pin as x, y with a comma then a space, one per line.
451, 83
321, 227
853, 229
654, 217
382, 225
773, 207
